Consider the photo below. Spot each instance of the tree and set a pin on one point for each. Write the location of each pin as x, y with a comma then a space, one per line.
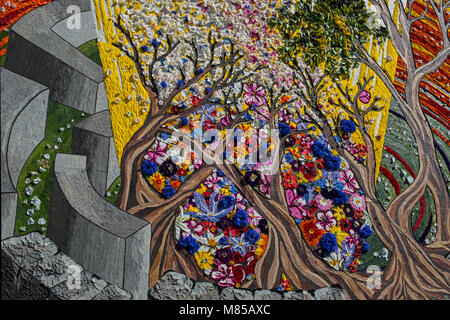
224, 71
408, 257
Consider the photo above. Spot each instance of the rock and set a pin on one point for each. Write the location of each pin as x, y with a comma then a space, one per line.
55, 147
384, 253
23, 229
35, 201
30, 221
58, 140
61, 129
41, 221
46, 156
267, 295
112, 292
205, 291
298, 295
230, 293
42, 170
329, 293
410, 179
29, 191
100, 284
30, 212
27, 180
36, 181
172, 286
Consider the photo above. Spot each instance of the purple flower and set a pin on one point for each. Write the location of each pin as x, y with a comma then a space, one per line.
168, 168
224, 255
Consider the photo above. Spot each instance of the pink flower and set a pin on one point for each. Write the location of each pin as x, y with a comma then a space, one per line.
195, 226
297, 206
323, 203
254, 95
239, 201
264, 187
352, 238
212, 182
325, 220
159, 152
349, 181
357, 201
364, 97
223, 275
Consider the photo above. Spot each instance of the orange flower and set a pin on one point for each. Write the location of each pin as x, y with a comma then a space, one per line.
310, 232
289, 181
175, 184
157, 181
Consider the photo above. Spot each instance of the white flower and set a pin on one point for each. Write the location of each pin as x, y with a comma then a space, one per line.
208, 242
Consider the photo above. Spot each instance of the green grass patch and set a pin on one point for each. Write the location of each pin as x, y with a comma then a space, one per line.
58, 116
113, 191
90, 49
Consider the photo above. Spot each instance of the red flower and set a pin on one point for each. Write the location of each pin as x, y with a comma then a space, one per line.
319, 163
290, 181
238, 273
309, 171
181, 172
310, 232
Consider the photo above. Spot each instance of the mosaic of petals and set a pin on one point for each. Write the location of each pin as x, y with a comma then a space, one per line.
222, 230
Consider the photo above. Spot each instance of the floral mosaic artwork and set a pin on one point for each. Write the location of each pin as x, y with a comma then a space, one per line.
267, 147
260, 115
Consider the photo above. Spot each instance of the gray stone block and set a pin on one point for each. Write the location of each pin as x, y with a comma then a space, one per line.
93, 138
172, 286
8, 216
76, 36
103, 239
32, 269
267, 295
205, 291
24, 111
329, 293
229, 293
38, 53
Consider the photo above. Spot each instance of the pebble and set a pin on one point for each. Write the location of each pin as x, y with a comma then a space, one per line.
30, 221
55, 147
33, 173
23, 229
58, 140
27, 180
30, 212
29, 191
42, 170
36, 181
67, 126
61, 129
41, 221
35, 201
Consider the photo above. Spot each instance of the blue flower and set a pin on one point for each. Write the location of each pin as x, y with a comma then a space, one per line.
144, 48
190, 244
284, 129
168, 192
199, 71
223, 241
180, 83
332, 162
288, 157
328, 242
226, 202
247, 116
347, 126
240, 218
208, 213
252, 236
340, 197
155, 43
183, 121
148, 167
319, 149
365, 247
164, 84
365, 231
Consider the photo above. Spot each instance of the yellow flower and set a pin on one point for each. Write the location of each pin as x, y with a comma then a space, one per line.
201, 189
204, 259
339, 213
340, 235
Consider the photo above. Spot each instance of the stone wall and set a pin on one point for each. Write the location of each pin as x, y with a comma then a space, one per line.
24, 111
33, 269
37, 52
176, 286
105, 240
93, 138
